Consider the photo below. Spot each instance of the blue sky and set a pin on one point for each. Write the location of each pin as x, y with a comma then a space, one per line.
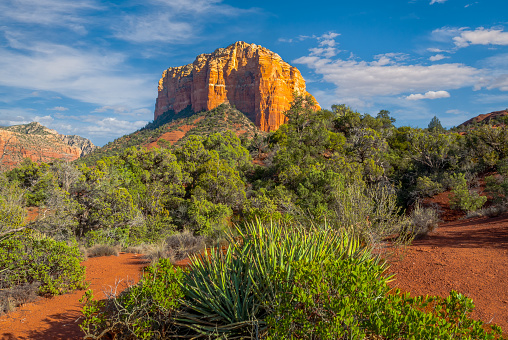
91, 67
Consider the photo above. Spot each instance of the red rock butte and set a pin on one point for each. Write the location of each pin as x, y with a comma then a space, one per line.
252, 78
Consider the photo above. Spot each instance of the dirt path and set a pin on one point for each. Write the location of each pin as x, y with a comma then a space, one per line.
469, 256
58, 317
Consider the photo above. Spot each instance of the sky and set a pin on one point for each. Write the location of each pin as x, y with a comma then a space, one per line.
91, 67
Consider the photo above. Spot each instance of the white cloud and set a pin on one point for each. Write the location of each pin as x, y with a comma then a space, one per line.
45, 120
438, 57
435, 50
174, 21
481, 36
362, 79
59, 108
454, 111
87, 75
498, 82
325, 52
432, 2
48, 12
429, 95
113, 126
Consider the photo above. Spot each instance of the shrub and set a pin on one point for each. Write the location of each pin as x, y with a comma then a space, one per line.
226, 292
463, 199
423, 220
29, 258
144, 311
102, 250
180, 245
10, 298
426, 187
348, 298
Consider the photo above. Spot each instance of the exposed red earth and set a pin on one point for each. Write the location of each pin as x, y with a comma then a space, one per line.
59, 317
469, 256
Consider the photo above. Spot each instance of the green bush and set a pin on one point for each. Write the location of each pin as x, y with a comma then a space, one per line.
348, 298
462, 198
426, 187
144, 311
226, 293
28, 258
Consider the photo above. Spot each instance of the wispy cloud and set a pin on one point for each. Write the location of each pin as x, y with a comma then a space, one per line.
174, 21
429, 95
54, 13
432, 2
87, 75
59, 108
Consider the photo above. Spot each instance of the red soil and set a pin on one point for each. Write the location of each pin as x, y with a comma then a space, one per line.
468, 256
59, 317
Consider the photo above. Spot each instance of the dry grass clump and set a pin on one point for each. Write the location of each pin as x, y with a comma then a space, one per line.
10, 298
102, 250
492, 211
423, 220
183, 244
176, 247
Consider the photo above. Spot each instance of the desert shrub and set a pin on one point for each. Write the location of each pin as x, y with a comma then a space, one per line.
423, 220
348, 298
143, 311
29, 258
426, 187
226, 291
102, 250
10, 298
181, 245
463, 198
371, 211
492, 211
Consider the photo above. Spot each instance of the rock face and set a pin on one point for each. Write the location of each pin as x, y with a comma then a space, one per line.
486, 117
252, 78
40, 144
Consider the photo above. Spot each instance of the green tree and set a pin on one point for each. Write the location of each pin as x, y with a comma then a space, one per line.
435, 126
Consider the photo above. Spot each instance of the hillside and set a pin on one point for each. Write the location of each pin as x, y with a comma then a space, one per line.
168, 129
486, 118
40, 144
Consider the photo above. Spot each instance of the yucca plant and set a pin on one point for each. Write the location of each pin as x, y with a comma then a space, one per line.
227, 293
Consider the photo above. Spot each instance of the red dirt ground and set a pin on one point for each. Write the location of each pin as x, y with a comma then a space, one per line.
469, 256
59, 317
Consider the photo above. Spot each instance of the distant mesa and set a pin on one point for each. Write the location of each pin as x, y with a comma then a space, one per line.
485, 118
40, 144
252, 78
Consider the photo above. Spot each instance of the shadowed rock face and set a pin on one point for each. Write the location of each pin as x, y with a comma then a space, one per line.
252, 78
40, 144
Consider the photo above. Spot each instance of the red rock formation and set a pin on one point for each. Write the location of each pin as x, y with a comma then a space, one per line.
40, 144
252, 78
486, 117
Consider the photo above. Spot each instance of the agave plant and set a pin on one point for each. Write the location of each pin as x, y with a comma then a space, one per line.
227, 293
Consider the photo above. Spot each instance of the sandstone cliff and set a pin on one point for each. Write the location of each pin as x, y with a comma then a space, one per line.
40, 144
252, 78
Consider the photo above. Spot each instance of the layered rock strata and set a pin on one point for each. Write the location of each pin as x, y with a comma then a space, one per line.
252, 78
40, 144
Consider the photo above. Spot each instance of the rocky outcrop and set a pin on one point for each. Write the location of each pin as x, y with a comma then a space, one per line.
40, 144
485, 118
252, 78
